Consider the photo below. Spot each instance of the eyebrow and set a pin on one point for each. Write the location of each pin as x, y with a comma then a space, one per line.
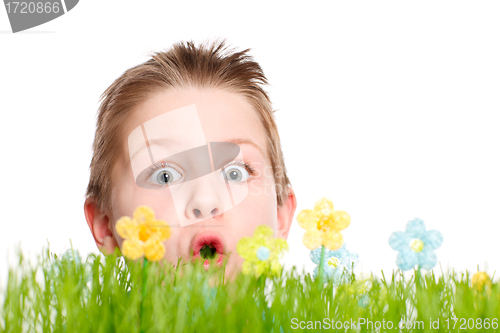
158, 142
239, 141
173, 141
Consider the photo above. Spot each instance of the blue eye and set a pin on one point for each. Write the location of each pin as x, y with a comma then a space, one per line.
165, 176
235, 173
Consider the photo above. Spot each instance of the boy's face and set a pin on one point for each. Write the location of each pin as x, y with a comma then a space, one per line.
204, 209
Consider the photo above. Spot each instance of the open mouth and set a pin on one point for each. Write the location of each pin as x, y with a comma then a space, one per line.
208, 245
207, 252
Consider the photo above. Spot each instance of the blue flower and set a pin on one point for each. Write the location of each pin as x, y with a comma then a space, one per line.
334, 263
364, 301
416, 245
206, 294
67, 257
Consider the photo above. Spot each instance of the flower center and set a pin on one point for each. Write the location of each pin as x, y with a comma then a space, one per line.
333, 262
144, 233
324, 225
416, 245
263, 253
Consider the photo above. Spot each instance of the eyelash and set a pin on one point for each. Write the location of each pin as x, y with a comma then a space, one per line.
247, 166
162, 164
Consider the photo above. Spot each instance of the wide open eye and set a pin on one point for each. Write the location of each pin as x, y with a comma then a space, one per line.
165, 176
235, 173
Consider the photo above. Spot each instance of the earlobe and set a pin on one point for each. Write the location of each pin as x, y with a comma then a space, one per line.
285, 214
98, 223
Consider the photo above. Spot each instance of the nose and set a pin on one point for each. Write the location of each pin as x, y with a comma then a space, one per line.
205, 201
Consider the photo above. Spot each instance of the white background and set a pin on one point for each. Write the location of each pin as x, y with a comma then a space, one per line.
388, 108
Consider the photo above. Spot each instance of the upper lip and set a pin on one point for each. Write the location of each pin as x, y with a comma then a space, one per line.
207, 238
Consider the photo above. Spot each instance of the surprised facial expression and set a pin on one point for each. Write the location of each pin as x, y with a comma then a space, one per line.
199, 159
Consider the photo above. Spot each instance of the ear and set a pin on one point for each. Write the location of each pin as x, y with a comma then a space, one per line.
285, 214
99, 227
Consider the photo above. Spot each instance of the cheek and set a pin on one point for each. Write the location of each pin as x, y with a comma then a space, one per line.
262, 182
265, 184
127, 197
260, 206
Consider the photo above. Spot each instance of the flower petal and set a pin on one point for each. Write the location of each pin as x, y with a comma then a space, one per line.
433, 239
340, 275
260, 268
316, 255
315, 273
276, 267
126, 228
364, 301
333, 240
323, 208
246, 267
132, 248
350, 260
415, 228
154, 250
307, 219
280, 246
246, 248
341, 220
313, 238
161, 229
480, 280
427, 259
399, 241
328, 272
262, 231
406, 259
143, 214
340, 252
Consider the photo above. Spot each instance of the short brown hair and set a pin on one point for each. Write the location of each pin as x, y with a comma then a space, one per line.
183, 65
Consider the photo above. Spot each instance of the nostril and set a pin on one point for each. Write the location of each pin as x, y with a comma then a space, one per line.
198, 214
214, 211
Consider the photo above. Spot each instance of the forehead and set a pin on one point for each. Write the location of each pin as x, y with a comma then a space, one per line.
211, 115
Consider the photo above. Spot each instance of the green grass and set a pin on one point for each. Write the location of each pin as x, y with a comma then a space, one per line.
104, 295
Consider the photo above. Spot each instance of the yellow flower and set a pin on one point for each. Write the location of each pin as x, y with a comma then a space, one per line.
481, 280
323, 225
143, 235
261, 252
360, 286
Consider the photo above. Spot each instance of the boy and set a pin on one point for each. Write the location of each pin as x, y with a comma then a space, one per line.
191, 134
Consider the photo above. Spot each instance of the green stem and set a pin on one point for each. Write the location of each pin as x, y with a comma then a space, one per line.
320, 269
261, 284
144, 285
